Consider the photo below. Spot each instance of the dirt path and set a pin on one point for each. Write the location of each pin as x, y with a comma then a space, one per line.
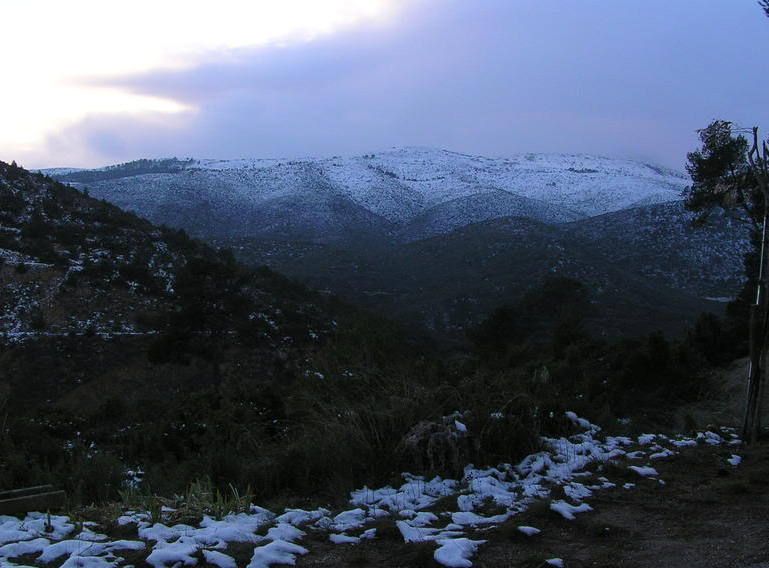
707, 515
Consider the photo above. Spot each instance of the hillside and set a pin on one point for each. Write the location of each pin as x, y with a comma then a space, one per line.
660, 243
73, 265
125, 343
440, 239
647, 268
407, 193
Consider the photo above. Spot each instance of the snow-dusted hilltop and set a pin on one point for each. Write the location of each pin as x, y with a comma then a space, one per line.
443, 238
579, 185
408, 193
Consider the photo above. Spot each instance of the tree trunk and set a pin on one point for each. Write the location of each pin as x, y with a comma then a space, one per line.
759, 320
758, 156
754, 375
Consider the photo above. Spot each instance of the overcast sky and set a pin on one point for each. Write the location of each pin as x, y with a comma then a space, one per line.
292, 78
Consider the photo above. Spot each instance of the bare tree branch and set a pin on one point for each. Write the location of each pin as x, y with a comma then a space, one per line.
765, 6
757, 161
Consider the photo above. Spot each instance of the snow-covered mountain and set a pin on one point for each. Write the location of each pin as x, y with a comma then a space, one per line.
442, 238
407, 193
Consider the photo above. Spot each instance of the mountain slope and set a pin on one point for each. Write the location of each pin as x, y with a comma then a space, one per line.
660, 242
439, 238
70, 263
586, 185
452, 281
131, 347
464, 211
409, 192
128, 346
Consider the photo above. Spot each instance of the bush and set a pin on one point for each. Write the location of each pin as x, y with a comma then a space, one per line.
37, 320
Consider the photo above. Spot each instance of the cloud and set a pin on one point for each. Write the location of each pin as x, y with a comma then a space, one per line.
492, 76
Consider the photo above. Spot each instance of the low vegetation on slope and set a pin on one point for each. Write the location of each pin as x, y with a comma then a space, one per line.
647, 269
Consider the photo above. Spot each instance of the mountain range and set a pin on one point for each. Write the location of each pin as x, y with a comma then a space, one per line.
440, 238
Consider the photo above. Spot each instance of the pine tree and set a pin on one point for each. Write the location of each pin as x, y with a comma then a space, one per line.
730, 173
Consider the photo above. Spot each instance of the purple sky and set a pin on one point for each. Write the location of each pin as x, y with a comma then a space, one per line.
494, 77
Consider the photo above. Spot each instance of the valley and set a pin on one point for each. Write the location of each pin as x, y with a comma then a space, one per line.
439, 239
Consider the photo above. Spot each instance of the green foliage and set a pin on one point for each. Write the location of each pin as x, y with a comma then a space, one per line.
623, 377
551, 312
717, 341
36, 227
37, 319
556, 298
503, 327
11, 204
137, 167
137, 274
720, 173
722, 179
210, 301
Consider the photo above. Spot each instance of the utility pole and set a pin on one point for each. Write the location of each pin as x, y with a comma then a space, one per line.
758, 157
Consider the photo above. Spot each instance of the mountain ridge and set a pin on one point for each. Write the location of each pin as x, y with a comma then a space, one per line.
366, 227
398, 187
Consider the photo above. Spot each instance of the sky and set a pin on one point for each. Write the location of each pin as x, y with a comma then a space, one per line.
89, 83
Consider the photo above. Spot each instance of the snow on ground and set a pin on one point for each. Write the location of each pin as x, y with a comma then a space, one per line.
456, 552
568, 511
529, 531
644, 471
572, 463
646, 439
665, 453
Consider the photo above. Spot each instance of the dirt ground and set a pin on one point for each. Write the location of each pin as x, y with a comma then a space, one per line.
707, 515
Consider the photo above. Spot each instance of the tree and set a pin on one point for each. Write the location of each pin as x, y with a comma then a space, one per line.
730, 173
211, 306
721, 176
759, 314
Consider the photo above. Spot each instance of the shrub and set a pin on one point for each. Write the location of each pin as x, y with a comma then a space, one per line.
37, 320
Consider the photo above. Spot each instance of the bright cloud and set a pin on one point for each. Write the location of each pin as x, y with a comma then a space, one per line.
54, 50
92, 82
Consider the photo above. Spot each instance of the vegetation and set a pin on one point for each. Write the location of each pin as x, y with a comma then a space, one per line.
135, 168
729, 174
233, 381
